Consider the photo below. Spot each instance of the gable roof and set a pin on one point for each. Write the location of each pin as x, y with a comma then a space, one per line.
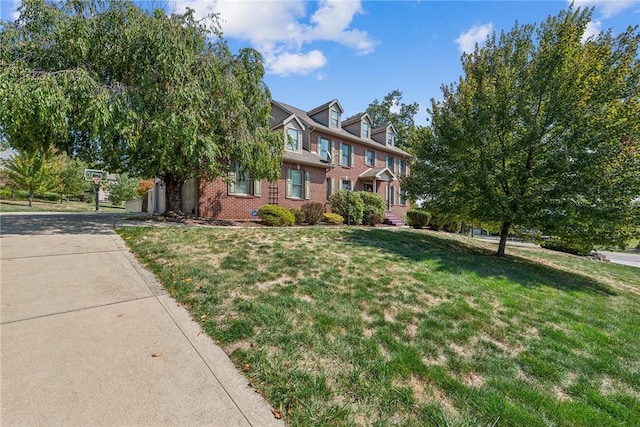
337, 132
354, 119
326, 106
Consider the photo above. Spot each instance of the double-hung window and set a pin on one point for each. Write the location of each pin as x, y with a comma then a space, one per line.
240, 182
402, 198
391, 138
391, 163
365, 130
298, 184
370, 158
346, 155
335, 118
345, 184
403, 167
324, 149
294, 137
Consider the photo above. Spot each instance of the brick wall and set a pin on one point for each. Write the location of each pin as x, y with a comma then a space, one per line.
214, 200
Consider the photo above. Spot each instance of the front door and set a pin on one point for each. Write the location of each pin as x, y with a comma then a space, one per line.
390, 196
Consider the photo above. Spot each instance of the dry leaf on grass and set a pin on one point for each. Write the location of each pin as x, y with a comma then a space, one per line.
276, 413
158, 354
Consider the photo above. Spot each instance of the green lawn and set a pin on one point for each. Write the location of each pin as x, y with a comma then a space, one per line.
372, 326
8, 205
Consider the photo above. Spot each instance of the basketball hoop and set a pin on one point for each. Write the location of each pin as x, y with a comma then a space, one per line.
96, 179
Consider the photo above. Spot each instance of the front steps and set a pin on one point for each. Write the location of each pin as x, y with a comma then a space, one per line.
392, 220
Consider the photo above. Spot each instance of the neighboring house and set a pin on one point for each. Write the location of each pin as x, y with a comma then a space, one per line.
322, 154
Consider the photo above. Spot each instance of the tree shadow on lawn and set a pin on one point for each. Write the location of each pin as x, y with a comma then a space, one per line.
457, 257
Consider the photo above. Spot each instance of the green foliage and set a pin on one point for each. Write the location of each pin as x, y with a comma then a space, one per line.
6, 193
374, 219
123, 189
70, 179
333, 218
418, 218
373, 203
32, 171
349, 205
575, 248
541, 133
299, 215
392, 110
133, 89
277, 216
313, 212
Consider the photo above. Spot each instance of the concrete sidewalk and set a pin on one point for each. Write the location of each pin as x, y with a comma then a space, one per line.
88, 337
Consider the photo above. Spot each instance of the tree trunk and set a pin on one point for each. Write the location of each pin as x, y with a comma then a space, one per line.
504, 232
30, 199
174, 193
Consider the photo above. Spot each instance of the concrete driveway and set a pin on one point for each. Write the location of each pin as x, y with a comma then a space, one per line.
88, 337
623, 258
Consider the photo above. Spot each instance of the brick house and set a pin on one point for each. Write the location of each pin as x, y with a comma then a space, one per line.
322, 154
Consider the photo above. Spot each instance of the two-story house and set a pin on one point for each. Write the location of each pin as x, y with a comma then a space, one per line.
322, 154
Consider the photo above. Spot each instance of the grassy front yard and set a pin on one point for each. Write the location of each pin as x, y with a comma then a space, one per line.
355, 326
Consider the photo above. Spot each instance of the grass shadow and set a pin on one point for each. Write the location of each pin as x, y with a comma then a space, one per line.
453, 256
70, 223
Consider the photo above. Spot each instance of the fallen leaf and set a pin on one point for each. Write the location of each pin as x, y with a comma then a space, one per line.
188, 279
203, 317
122, 315
276, 413
289, 410
158, 354
199, 333
246, 367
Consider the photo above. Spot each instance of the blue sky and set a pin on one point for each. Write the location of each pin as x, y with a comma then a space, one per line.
357, 51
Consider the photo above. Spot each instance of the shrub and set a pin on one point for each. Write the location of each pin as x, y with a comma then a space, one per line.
6, 193
374, 219
373, 203
277, 216
313, 212
575, 248
349, 205
144, 186
418, 218
51, 197
333, 218
298, 214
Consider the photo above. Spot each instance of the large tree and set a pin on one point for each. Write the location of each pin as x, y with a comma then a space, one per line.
542, 132
141, 91
392, 110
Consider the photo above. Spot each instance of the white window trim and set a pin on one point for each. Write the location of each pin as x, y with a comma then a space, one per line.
366, 157
299, 142
351, 157
331, 111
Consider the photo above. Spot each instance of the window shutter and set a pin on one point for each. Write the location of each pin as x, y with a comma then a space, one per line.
353, 156
318, 145
257, 188
375, 158
307, 185
231, 185
340, 155
289, 186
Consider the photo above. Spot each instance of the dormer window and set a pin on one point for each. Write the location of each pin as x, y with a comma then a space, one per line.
391, 138
365, 130
294, 138
335, 118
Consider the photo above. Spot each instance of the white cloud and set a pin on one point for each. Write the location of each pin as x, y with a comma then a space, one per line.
477, 34
279, 29
593, 29
295, 63
607, 8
